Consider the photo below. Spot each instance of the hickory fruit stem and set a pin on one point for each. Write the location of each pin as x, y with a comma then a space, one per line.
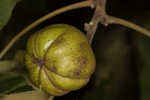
100, 16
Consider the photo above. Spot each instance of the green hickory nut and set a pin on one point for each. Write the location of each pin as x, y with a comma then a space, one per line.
59, 59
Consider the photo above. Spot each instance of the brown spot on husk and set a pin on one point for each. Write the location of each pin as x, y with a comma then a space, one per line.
77, 73
39, 62
82, 61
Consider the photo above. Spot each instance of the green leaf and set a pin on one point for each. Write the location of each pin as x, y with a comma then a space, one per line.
6, 8
12, 83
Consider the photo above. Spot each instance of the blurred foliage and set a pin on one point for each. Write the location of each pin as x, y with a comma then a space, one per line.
142, 48
6, 8
28, 95
122, 54
11, 82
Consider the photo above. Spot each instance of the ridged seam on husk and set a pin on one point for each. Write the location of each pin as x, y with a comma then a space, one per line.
86, 77
33, 70
53, 82
61, 82
76, 31
38, 39
35, 52
57, 73
48, 87
41, 68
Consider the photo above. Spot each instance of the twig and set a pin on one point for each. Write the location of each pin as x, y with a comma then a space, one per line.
40, 20
100, 16
115, 20
101, 3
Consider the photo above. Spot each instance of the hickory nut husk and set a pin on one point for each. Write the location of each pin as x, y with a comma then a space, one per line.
59, 59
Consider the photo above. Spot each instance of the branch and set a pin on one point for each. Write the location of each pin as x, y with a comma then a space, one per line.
115, 20
13, 65
100, 16
40, 20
